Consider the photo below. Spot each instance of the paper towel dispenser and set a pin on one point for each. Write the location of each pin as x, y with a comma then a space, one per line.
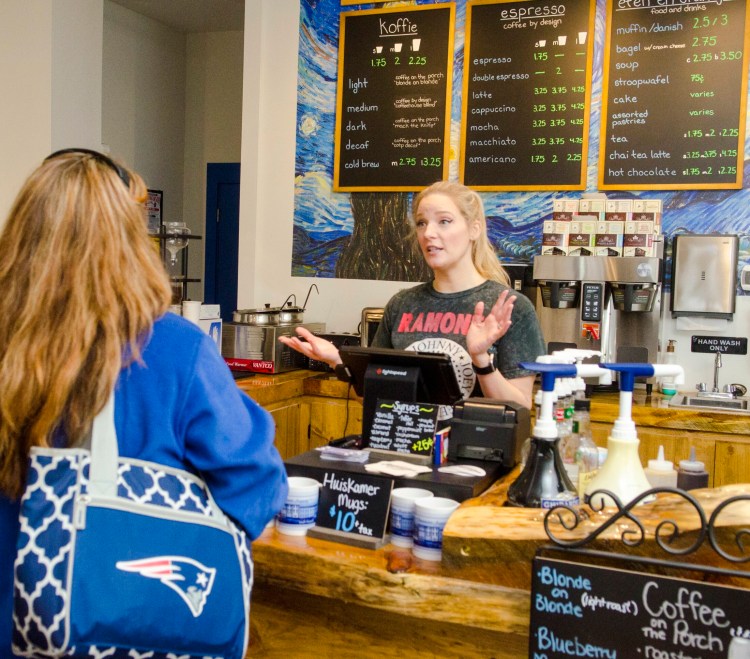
704, 275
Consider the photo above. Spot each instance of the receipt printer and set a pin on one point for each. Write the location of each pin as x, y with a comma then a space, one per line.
486, 429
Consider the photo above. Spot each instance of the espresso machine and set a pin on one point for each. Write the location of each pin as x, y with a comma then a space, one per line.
607, 303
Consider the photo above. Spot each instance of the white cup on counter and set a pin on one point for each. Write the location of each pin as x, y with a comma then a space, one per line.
300, 508
403, 500
191, 309
430, 517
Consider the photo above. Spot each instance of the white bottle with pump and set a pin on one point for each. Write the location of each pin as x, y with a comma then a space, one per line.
622, 473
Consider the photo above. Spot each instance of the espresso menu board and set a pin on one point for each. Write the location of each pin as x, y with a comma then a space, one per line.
527, 80
585, 611
674, 95
393, 98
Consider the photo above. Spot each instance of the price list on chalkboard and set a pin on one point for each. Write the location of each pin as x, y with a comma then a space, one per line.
527, 80
585, 611
393, 98
674, 96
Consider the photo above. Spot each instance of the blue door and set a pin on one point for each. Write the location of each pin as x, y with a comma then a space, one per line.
222, 236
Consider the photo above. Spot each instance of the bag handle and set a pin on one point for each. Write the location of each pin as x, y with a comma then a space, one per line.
105, 457
104, 453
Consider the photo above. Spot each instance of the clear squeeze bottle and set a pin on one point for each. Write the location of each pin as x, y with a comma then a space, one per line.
622, 473
543, 482
661, 472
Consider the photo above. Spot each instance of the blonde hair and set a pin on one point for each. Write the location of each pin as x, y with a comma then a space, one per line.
82, 285
470, 205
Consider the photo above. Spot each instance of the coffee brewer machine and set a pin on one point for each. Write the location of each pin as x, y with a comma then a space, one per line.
606, 303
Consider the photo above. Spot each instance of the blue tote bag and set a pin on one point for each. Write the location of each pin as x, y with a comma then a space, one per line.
122, 558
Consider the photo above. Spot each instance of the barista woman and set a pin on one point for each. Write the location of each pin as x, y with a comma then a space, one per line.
467, 310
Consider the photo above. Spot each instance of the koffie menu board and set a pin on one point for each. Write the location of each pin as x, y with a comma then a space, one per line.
674, 94
393, 98
527, 81
586, 611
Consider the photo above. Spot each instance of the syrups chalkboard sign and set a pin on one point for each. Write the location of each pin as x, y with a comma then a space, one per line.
586, 611
403, 427
527, 82
674, 94
726, 345
353, 508
393, 98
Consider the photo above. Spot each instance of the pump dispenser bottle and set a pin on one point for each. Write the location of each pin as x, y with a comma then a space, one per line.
622, 473
543, 482
668, 387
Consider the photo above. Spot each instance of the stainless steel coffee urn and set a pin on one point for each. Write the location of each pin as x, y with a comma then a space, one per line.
606, 303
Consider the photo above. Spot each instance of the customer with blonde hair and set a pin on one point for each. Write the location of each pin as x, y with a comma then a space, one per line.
447, 314
84, 312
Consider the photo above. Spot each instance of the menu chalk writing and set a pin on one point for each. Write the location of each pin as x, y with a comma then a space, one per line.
674, 95
585, 611
728, 345
404, 427
354, 503
393, 98
527, 82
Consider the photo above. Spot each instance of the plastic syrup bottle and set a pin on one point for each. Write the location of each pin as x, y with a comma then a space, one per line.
586, 454
692, 473
543, 483
661, 472
622, 473
668, 387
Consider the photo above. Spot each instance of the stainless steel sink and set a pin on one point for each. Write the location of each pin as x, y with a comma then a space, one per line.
737, 405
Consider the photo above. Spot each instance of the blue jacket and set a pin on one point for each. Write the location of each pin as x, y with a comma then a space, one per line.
182, 408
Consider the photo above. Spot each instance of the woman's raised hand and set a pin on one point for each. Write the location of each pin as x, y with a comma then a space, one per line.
485, 330
313, 346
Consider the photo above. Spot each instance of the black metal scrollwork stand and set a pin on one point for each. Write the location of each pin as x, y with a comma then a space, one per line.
561, 520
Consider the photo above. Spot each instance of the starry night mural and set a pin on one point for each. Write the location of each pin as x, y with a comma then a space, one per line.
366, 235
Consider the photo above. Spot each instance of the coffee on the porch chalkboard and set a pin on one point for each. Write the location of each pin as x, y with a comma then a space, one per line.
527, 81
585, 611
393, 98
674, 94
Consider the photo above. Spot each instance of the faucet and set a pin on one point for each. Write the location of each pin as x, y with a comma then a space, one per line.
717, 366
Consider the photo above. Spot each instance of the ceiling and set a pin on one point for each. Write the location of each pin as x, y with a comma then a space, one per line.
192, 15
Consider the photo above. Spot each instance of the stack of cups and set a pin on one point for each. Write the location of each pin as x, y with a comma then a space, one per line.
402, 514
430, 517
191, 309
300, 508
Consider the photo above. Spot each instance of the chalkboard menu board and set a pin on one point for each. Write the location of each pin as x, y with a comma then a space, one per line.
393, 98
404, 427
527, 82
585, 611
674, 95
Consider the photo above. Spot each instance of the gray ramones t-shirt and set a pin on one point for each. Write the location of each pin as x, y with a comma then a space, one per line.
425, 320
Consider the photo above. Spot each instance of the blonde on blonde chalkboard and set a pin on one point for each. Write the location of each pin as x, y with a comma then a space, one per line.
393, 98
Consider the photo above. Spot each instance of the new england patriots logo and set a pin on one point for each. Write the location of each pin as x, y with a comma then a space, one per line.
191, 580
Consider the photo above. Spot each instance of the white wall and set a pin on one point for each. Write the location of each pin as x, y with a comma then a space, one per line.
77, 29
143, 100
213, 125
25, 81
267, 190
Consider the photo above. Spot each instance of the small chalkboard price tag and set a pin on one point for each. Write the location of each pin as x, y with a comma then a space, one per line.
404, 427
353, 508
582, 610
727, 345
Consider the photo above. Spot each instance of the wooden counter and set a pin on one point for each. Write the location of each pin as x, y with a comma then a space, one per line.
351, 602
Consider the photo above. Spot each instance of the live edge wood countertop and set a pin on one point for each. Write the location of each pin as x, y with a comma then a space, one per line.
318, 598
